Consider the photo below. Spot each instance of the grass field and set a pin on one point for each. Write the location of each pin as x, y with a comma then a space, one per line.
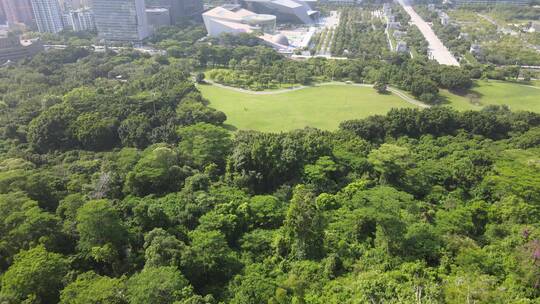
516, 96
321, 107
325, 107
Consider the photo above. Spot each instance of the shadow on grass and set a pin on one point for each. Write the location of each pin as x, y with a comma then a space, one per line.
472, 96
230, 127
519, 81
443, 100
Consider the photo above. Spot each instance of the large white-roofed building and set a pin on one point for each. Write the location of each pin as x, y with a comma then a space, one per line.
290, 11
233, 19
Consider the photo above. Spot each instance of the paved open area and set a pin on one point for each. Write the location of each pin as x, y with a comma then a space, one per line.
437, 49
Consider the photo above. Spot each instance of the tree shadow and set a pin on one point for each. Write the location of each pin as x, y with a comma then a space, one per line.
473, 97
443, 100
229, 127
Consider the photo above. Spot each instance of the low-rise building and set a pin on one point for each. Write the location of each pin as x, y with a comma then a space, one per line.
535, 26
399, 34
475, 49
401, 47
393, 25
445, 20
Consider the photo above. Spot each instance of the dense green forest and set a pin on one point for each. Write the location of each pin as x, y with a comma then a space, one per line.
118, 184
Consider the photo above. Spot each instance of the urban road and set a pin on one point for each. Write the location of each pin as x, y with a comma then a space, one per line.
437, 49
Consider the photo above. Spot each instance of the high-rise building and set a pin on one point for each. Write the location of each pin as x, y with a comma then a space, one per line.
3, 18
68, 5
18, 12
48, 15
158, 17
180, 10
121, 20
80, 20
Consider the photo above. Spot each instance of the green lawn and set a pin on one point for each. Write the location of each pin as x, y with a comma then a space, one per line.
516, 96
322, 107
325, 107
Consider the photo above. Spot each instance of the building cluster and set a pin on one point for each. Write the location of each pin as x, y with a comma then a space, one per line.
115, 20
260, 17
50, 16
443, 17
394, 27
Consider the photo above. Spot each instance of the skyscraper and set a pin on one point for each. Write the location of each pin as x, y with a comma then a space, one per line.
121, 20
18, 12
3, 19
180, 10
48, 15
68, 5
80, 20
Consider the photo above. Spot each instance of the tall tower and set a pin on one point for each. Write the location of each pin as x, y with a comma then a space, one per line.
48, 15
18, 12
180, 10
3, 18
68, 5
121, 20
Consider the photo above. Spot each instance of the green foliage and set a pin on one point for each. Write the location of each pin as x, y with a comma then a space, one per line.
91, 288
204, 144
208, 260
156, 172
35, 277
95, 133
119, 185
158, 285
304, 226
99, 227
390, 161
23, 225
49, 131
162, 249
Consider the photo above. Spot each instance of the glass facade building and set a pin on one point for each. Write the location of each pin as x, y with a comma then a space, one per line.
121, 20
48, 15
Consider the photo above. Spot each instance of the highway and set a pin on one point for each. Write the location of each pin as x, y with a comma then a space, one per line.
438, 51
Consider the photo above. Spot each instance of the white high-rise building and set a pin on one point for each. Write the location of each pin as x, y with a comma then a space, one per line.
48, 15
121, 20
80, 20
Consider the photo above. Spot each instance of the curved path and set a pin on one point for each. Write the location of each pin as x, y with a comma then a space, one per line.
391, 89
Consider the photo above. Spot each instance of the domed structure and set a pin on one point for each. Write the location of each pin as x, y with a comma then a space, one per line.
281, 39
